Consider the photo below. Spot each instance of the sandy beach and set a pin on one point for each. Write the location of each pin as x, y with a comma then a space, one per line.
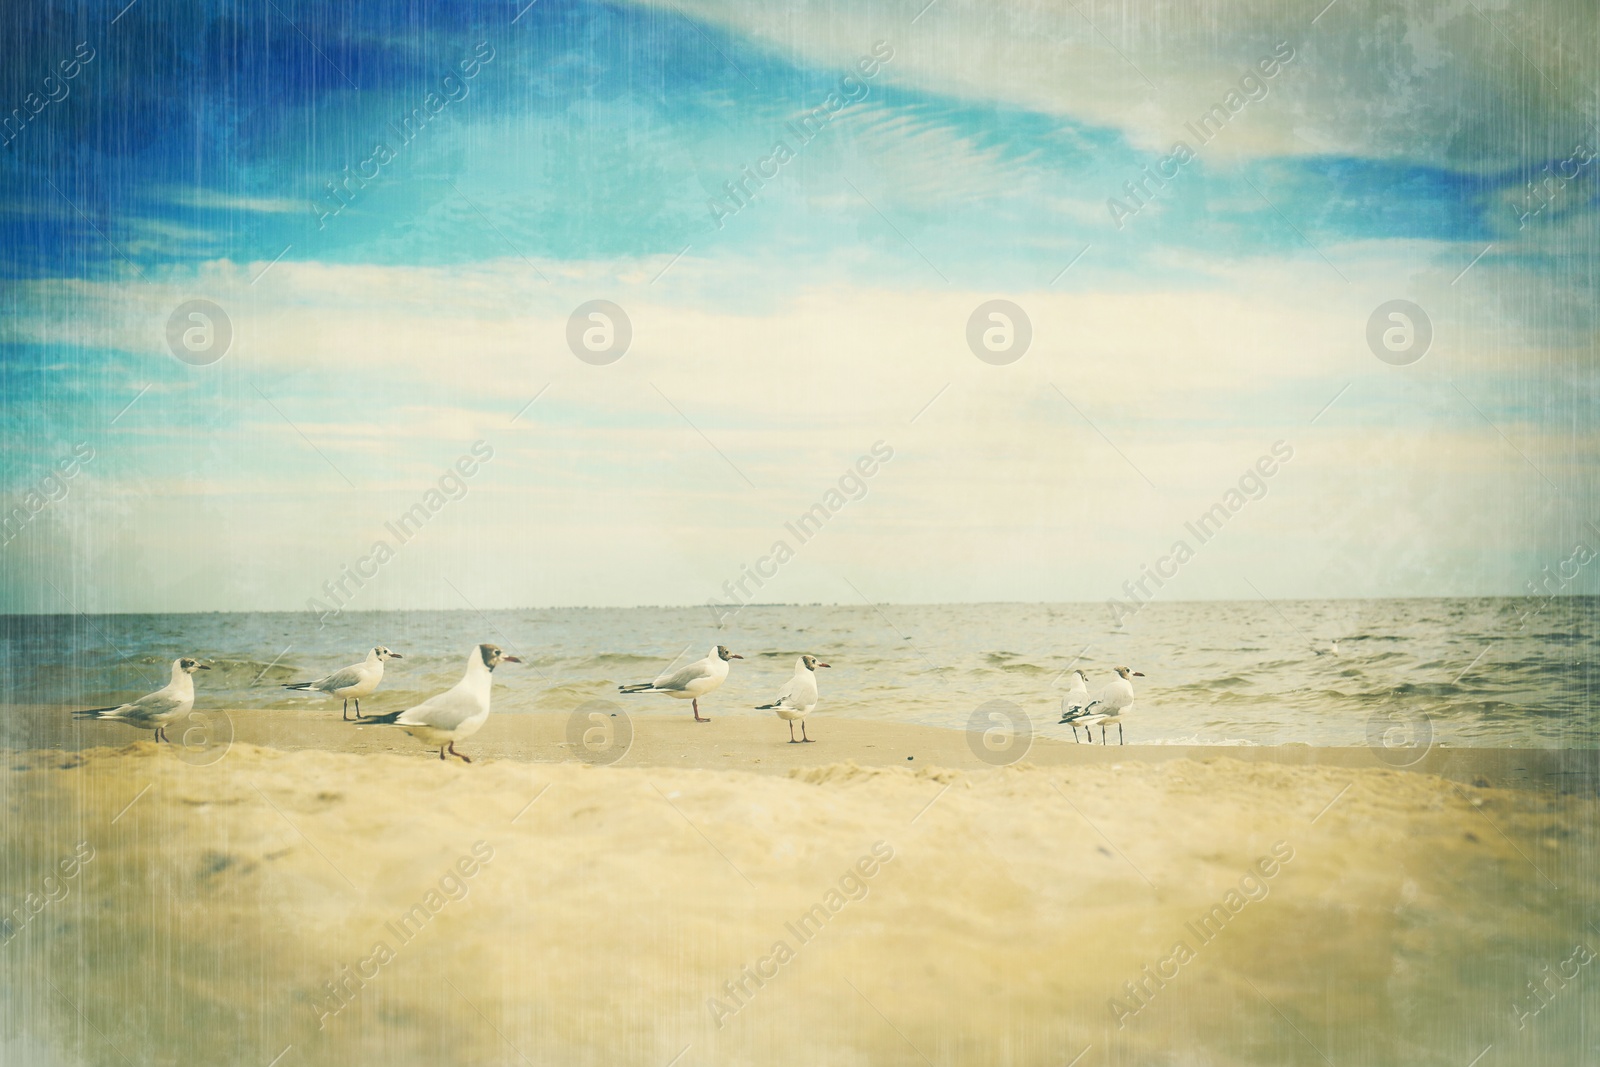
323, 894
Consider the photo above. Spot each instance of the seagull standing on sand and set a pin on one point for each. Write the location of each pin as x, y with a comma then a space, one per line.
797, 699
1113, 700
691, 682
458, 712
155, 711
1075, 704
352, 683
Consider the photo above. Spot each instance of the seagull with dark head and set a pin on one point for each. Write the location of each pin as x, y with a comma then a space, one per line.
1074, 706
798, 697
1110, 704
353, 682
691, 682
157, 710
458, 712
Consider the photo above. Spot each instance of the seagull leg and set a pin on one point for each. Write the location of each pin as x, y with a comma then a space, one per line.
460, 755
803, 736
1102, 733
695, 703
441, 752
1120, 741
358, 707
345, 711
1075, 733
160, 735
792, 741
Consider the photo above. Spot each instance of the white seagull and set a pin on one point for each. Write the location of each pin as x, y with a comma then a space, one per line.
155, 711
353, 682
458, 712
691, 682
1113, 700
797, 699
1074, 706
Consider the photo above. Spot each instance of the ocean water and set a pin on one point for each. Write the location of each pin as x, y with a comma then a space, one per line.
1514, 672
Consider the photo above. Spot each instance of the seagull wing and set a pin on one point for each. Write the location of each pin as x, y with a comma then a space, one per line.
681, 678
150, 708
1075, 703
343, 679
446, 711
786, 697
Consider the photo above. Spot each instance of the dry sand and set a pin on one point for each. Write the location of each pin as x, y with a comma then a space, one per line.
618, 903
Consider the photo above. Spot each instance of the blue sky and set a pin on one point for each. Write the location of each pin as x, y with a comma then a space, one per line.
1390, 157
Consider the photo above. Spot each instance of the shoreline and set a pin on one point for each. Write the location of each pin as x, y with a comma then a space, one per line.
760, 745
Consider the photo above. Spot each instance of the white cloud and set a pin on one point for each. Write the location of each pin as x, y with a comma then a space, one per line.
1370, 78
607, 490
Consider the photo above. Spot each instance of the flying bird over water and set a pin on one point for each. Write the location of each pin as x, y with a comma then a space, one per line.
353, 682
691, 682
1109, 705
458, 712
155, 711
797, 698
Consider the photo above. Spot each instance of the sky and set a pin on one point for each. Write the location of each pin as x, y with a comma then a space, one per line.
396, 214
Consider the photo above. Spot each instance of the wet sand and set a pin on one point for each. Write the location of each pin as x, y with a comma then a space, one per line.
759, 743
330, 895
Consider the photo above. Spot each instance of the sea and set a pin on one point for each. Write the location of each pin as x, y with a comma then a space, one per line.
1467, 672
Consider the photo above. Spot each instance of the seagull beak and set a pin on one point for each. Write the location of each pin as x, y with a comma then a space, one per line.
396, 655
202, 666
1138, 674
510, 659
734, 655
824, 664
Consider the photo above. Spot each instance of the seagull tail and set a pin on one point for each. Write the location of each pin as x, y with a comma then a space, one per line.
369, 720
93, 713
769, 707
637, 687
300, 687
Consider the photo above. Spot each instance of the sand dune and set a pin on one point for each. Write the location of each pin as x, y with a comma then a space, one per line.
341, 908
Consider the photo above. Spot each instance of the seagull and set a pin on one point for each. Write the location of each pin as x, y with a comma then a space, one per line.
797, 699
354, 682
458, 712
691, 682
1113, 700
155, 711
1074, 705
1331, 650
